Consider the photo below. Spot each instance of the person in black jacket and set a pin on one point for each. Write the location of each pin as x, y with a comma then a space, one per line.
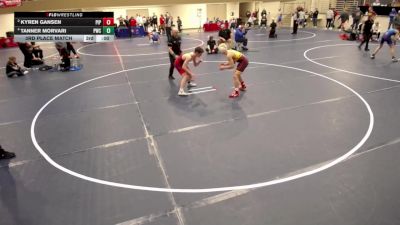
65, 57
367, 33
174, 50
29, 58
12, 68
6, 155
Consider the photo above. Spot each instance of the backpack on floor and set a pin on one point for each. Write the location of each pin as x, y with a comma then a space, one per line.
45, 68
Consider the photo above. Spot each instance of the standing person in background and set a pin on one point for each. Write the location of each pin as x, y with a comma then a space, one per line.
174, 50
392, 15
168, 26
344, 17
315, 18
121, 21
145, 23
280, 17
264, 12
367, 33
155, 21
179, 23
295, 22
376, 30
356, 19
162, 24
133, 25
329, 18
6, 155
302, 18
126, 21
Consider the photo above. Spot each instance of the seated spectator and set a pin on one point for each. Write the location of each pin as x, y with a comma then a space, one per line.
70, 49
376, 31
240, 36
154, 37
211, 46
37, 51
6, 155
29, 58
272, 32
64, 54
12, 68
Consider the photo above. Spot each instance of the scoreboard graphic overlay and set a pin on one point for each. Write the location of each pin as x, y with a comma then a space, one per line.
64, 26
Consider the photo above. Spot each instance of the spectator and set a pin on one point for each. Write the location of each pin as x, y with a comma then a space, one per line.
154, 37
64, 54
126, 21
145, 23
179, 23
315, 18
6, 155
392, 15
121, 21
12, 69
232, 23
302, 18
37, 51
133, 25
356, 19
29, 59
240, 36
280, 17
162, 24
272, 31
329, 19
376, 30
263, 23
211, 46
155, 21
70, 49
344, 17
168, 27
264, 12
295, 22
225, 36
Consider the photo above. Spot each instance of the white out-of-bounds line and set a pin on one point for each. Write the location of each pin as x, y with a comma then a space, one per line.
198, 89
305, 54
199, 92
296, 39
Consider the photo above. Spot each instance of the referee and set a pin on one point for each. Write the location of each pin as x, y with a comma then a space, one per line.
174, 45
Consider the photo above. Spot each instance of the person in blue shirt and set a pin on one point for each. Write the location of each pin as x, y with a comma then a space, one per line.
390, 37
240, 36
392, 15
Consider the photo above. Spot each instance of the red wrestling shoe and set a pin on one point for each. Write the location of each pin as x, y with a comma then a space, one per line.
234, 94
242, 87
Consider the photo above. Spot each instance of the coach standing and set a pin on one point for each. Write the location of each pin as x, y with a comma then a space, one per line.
174, 45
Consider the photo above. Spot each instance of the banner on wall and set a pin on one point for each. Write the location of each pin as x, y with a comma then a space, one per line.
199, 10
10, 3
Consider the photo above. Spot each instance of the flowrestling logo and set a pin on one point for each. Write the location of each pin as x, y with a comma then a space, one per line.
10, 3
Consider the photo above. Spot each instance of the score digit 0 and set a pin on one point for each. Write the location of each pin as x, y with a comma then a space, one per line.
108, 21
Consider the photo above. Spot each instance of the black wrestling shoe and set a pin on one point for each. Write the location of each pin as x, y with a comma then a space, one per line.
171, 77
7, 155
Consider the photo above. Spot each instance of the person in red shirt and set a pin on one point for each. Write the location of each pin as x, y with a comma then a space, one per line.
132, 24
162, 24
